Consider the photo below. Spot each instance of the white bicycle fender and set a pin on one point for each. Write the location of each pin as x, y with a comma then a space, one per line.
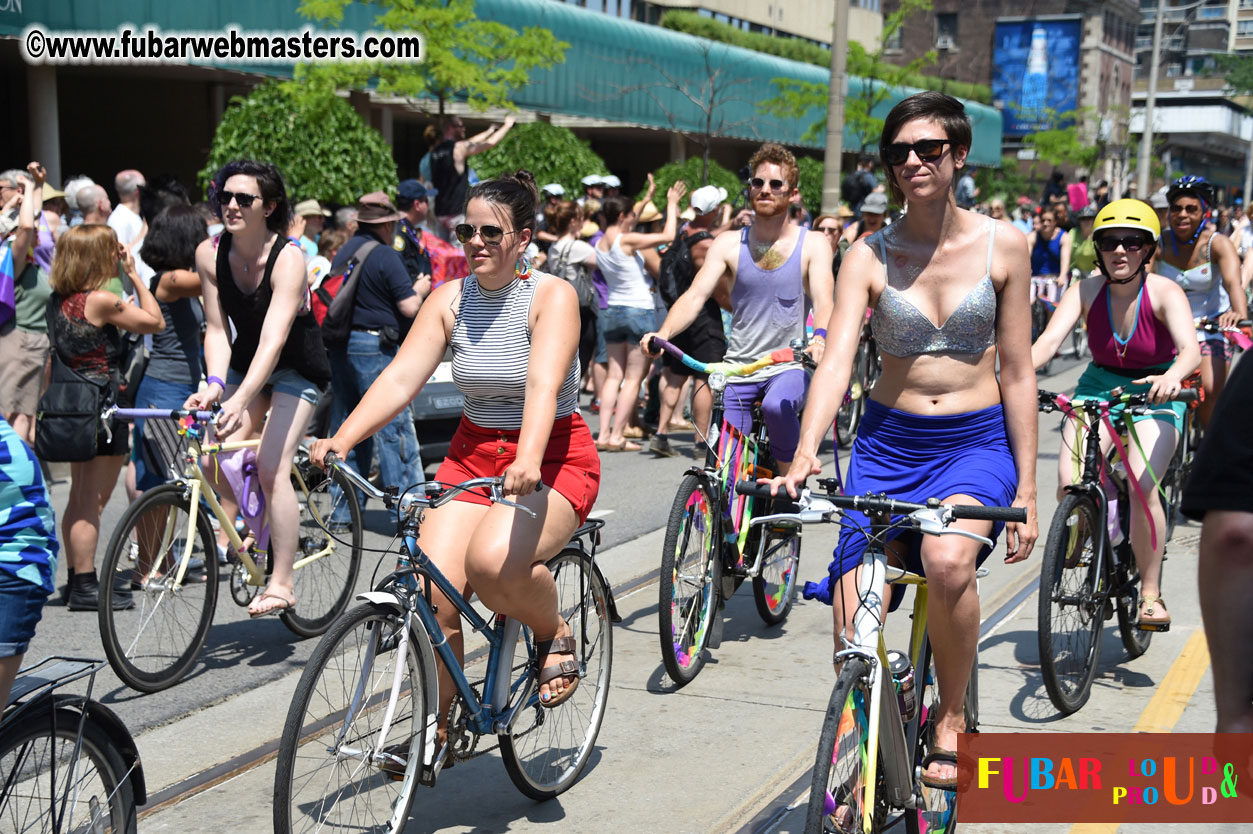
380, 598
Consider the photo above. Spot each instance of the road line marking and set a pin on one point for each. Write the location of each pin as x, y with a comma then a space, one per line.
1166, 706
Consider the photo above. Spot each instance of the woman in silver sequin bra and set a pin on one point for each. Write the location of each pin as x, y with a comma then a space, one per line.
939, 423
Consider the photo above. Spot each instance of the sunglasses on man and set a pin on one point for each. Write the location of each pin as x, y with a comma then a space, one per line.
759, 184
928, 150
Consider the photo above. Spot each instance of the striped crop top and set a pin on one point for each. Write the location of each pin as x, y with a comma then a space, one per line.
491, 350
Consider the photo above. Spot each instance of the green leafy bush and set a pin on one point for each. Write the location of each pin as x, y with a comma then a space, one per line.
323, 148
689, 171
811, 183
551, 153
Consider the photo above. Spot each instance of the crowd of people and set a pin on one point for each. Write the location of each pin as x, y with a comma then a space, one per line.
538, 298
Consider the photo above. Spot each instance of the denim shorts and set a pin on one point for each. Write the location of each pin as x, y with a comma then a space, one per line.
21, 606
285, 381
152, 459
627, 324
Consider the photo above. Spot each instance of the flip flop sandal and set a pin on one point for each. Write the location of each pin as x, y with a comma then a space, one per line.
564, 669
1150, 622
939, 754
288, 605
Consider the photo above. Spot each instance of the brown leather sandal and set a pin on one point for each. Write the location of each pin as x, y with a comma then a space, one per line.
563, 669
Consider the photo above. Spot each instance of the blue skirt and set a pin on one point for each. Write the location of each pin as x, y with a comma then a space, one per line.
915, 457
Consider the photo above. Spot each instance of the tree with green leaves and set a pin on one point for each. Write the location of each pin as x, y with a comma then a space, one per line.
796, 99
551, 153
1063, 145
690, 171
481, 61
323, 148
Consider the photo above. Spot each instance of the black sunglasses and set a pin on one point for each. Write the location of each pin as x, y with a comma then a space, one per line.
828, 228
928, 150
492, 235
243, 200
758, 183
1130, 244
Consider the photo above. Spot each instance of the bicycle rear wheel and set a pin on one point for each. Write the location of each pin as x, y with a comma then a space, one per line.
546, 750
848, 418
1039, 321
36, 761
328, 557
1176, 478
774, 589
691, 571
1071, 610
842, 771
152, 645
327, 777
938, 814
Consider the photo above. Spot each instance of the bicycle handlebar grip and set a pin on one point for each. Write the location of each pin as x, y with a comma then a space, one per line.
758, 490
1188, 395
1018, 514
330, 460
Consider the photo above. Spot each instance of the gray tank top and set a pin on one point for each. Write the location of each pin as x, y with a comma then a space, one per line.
901, 329
768, 309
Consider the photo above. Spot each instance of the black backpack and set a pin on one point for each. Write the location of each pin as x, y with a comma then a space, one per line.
677, 268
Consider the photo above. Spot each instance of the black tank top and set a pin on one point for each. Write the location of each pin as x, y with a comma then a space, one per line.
302, 352
453, 187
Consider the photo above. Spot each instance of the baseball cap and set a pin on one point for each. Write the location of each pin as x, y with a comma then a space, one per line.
611, 181
1158, 200
554, 188
411, 190
593, 179
307, 207
876, 202
707, 198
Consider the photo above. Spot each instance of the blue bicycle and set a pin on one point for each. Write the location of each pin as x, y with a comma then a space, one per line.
363, 729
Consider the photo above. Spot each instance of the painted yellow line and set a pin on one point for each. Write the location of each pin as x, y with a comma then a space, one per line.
1167, 704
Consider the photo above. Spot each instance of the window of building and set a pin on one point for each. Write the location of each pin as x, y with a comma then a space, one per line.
1211, 13
1246, 4
893, 41
1244, 28
872, 5
946, 30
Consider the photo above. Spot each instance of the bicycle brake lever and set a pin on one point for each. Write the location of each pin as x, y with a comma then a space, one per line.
498, 498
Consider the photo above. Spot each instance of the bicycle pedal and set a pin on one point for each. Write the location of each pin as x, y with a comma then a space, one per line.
1108, 613
1160, 628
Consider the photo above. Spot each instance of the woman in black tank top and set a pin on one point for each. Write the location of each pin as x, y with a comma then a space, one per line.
276, 362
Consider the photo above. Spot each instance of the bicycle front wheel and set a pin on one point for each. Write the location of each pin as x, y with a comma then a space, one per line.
546, 750
774, 589
37, 761
1071, 610
153, 644
842, 771
328, 557
328, 777
691, 570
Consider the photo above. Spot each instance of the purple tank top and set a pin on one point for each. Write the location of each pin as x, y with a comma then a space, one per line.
1149, 344
768, 307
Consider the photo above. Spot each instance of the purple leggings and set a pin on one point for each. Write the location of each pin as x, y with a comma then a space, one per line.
782, 397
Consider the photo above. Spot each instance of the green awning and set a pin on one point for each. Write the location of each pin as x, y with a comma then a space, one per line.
617, 70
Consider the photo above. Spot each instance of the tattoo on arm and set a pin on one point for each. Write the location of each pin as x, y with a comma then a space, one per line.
117, 305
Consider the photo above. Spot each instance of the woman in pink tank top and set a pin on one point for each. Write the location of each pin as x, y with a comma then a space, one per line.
1141, 334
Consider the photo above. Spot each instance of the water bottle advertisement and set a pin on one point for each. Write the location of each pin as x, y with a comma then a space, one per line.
1036, 72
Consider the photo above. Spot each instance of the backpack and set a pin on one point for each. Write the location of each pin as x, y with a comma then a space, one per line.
335, 297
677, 268
576, 274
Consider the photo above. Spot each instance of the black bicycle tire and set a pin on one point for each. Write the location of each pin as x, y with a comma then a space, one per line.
314, 626
62, 724
295, 728
1127, 607
572, 771
922, 722
770, 615
850, 413
853, 672
173, 495
1039, 322
697, 654
1051, 570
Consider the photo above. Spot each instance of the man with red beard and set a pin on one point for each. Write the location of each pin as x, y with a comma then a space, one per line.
772, 265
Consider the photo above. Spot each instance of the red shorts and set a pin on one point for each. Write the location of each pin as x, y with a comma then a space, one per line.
571, 463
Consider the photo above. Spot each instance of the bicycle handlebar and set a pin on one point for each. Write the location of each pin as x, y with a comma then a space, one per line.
158, 414
1050, 401
881, 503
434, 494
794, 353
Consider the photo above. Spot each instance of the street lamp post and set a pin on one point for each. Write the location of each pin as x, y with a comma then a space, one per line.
835, 110
1146, 137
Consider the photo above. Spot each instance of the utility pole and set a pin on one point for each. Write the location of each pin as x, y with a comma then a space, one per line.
835, 110
1143, 167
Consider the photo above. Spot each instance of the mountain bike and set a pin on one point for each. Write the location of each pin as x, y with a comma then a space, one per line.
710, 548
1088, 572
878, 724
67, 762
155, 642
364, 730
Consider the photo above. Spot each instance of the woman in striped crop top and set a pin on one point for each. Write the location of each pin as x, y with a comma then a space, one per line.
1156, 353
514, 335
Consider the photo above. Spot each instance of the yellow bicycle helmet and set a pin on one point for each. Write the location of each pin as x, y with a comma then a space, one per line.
1128, 214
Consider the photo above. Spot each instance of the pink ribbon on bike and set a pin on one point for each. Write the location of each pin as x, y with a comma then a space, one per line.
1063, 402
240, 469
1238, 337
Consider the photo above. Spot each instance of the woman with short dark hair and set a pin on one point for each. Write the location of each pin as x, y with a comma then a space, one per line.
254, 276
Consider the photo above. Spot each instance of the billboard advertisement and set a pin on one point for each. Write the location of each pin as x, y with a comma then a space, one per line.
1036, 72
